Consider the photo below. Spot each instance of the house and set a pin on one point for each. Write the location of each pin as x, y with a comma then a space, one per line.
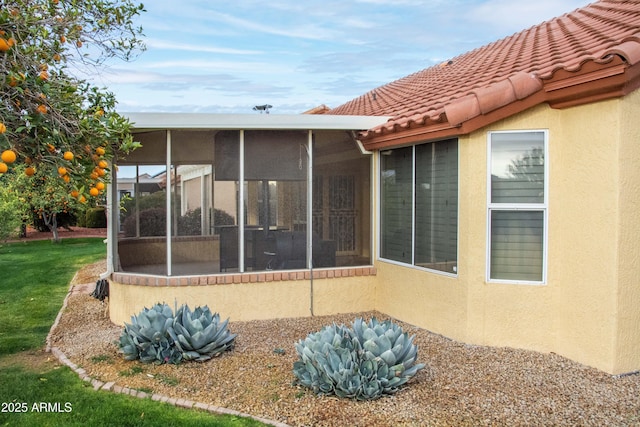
492, 199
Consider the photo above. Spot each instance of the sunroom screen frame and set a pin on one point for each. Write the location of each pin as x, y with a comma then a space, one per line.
240, 122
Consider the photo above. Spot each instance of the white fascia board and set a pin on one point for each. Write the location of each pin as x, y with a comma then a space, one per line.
157, 121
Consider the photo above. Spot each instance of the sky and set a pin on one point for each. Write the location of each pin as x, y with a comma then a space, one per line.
229, 56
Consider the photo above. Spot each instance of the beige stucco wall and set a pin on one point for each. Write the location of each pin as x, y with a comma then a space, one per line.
627, 338
250, 301
588, 309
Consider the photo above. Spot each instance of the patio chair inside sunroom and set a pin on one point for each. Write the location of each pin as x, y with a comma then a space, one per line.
270, 193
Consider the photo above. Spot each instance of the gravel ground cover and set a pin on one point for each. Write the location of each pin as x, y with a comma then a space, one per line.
462, 385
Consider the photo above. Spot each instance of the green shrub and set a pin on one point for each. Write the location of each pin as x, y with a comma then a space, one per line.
96, 217
157, 199
190, 224
63, 219
153, 222
10, 213
157, 336
363, 362
81, 220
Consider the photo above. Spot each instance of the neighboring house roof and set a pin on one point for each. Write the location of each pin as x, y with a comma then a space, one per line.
590, 54
320, 109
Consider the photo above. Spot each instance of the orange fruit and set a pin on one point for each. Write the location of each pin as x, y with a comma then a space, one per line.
94, 191
100, 151
82, 199
8, 156
100, 185
4, 45
56, 57
94, 175
103, 164
66, 178
42, 109
3, 128
3, 167
100, 172
44, 75
74, 194
63, 39
68, 155
62, 170
30, 171
51, 148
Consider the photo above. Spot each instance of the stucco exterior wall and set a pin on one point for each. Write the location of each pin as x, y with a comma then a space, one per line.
627, 338
587, 310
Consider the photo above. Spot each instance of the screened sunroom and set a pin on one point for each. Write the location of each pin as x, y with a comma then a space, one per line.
208, 194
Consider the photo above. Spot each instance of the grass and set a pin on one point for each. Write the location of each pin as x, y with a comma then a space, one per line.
34, 279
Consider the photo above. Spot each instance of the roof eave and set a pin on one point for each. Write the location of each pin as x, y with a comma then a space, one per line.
592, 82
199, 121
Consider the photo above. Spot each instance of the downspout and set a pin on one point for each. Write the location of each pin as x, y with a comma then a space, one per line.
136, 194
168, 206
113, 212
241, 204
310, 216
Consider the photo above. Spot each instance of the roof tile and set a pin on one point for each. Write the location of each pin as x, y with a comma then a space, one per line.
509, 72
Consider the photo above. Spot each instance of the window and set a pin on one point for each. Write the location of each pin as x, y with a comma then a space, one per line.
419, 205
517, 212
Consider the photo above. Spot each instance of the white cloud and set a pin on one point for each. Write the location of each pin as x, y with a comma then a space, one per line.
167, 45
228, 56
511, 16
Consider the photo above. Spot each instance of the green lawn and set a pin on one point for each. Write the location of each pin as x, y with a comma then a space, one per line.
34, 279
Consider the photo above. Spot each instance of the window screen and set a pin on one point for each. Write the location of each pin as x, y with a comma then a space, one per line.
419, 205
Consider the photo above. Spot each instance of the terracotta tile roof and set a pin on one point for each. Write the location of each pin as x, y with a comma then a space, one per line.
589, 54
320, 109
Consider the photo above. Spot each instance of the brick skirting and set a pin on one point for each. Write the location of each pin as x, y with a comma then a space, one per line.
233, 278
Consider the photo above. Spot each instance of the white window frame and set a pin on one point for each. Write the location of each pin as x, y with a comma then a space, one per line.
505, 207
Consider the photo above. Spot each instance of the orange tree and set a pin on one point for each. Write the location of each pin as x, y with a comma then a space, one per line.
52, 122
46, 193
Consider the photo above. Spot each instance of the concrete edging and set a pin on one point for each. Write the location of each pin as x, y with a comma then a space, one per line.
114, 388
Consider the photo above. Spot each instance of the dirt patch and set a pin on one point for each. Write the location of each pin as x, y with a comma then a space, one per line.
33, 360
89, 274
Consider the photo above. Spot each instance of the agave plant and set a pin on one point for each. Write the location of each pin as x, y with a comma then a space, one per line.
363, 362
147, 337
199, 335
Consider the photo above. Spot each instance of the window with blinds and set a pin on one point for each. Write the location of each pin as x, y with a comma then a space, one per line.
517, 206
419, 205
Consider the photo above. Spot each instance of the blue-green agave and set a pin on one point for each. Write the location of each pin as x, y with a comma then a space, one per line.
147, 337
199, 335
363, 362
156, 335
